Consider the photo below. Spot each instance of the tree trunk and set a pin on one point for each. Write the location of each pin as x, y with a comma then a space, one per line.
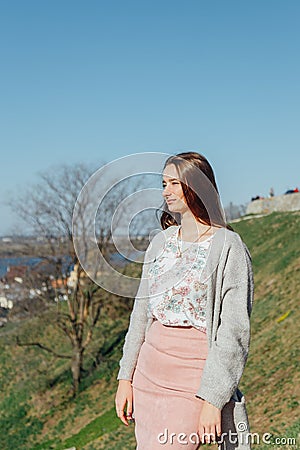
77, 360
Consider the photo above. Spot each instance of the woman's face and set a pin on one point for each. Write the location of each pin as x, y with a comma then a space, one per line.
172, 190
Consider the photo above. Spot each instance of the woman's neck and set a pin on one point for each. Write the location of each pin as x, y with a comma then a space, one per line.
191, 228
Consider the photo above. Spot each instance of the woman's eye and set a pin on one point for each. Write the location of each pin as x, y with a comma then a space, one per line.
174, 182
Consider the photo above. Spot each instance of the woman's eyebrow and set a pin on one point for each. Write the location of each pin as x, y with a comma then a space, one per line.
172, 179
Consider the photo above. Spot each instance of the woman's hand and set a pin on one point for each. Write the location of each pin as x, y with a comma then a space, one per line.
209, 423
124, 397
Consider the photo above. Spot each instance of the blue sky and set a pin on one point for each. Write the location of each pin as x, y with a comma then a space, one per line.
96, 80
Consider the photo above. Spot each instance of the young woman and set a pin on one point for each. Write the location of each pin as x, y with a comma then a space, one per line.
189, 332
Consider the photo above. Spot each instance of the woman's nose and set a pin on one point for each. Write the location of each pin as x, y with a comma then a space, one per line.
166, 191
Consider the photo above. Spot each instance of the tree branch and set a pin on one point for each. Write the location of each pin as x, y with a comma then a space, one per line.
43, 347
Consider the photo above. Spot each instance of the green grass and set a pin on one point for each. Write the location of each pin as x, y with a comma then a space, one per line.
271, 378
106, 423
37, 411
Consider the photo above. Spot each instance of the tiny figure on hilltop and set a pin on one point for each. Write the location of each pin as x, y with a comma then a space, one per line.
258, 197
292, 191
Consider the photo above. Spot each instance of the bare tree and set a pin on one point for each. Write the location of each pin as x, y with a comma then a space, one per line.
47, 207
233, 211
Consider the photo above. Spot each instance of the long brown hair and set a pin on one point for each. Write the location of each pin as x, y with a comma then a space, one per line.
199, 188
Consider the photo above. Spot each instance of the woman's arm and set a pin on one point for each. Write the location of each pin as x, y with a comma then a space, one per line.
133, 341
134, 338
229, 351
137, 326
138, 320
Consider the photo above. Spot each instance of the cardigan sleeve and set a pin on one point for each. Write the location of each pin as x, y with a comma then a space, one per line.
139, 316
137, 326
228, 353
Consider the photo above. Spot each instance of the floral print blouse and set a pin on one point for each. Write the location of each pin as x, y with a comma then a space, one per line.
177, 297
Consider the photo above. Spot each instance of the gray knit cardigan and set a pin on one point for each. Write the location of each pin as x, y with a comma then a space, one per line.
230, 290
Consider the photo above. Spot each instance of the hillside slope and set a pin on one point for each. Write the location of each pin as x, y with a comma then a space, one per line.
271, 379
38, 412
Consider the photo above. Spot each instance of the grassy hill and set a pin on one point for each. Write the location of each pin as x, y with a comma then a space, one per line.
36, 407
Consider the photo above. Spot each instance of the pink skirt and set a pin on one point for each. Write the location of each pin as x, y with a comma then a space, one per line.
165, 381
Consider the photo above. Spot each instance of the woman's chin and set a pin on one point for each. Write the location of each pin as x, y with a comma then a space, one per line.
173, 209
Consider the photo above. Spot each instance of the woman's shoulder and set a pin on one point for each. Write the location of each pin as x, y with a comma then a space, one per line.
161, 234
227, 241
230, 236
236, 239
159, 238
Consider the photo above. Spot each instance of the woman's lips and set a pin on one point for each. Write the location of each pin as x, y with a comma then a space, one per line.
170, 201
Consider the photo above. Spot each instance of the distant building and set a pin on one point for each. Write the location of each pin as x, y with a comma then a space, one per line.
5, 303
16, 273
7, 239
